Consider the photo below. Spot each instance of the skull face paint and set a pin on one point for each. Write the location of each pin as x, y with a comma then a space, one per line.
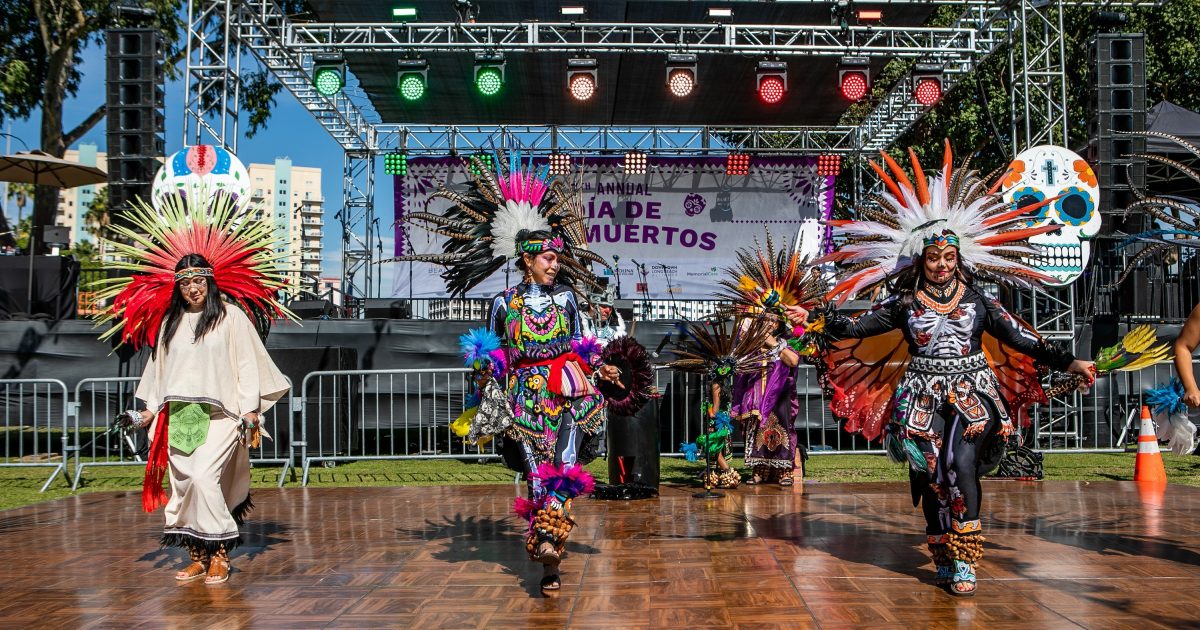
1045, 172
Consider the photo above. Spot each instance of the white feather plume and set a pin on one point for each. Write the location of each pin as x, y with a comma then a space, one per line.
510, 219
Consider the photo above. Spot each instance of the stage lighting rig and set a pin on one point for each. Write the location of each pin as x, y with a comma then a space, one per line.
681, 73
560, 164
395, 164
854, 77
771, 81
927, 83
404, 14
581, 78
329, 73
412, 78
489, 73
829, 164
635, 163
737, 164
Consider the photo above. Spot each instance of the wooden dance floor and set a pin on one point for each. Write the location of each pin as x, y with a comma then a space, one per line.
1059, 555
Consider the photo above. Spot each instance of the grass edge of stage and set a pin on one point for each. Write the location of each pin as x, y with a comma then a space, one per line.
19, 486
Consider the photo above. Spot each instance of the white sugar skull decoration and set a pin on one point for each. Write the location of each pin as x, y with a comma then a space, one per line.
202, 167
1046, 172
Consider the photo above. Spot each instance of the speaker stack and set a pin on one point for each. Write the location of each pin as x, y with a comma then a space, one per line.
135, 113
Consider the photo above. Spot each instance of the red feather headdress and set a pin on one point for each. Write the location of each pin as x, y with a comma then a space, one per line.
217, 227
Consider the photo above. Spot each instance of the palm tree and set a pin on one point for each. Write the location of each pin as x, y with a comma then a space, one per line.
97, 218
20, 193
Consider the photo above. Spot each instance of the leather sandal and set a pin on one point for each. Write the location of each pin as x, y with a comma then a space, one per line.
198, 568
218, 567
551, 584
547, 554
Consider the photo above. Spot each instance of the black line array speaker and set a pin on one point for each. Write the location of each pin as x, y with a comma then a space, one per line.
387, 308
1118, 66
312, 309
136, 123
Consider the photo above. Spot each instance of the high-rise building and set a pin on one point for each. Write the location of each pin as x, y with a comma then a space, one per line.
288, 196
291, 196
73, 203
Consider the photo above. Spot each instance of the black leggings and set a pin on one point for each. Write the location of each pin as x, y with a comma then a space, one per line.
953, 493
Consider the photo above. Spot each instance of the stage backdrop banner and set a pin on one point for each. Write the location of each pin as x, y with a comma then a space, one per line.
673, 229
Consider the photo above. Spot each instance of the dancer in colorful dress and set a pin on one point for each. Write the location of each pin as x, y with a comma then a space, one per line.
773, 285
939, 363
199, 267
532, 352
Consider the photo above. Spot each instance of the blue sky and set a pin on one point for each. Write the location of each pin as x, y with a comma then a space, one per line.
291, 133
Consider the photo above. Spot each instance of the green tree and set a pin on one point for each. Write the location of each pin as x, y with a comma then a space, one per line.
41, 45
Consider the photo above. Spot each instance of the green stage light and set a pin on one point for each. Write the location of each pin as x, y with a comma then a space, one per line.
412, 87
404, 14
329, 74
488, 81
395, 164
412, 77
486, 160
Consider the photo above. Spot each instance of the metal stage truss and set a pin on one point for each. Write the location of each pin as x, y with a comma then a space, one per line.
221, 32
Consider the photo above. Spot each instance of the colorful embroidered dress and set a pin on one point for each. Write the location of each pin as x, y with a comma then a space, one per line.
546, 380
766, 403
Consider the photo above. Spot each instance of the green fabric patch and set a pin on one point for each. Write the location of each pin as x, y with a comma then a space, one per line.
188, 426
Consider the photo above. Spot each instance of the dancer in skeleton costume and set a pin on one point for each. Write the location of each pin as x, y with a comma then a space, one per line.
942, 365
602, 320
772, 285
540, 361
199, 267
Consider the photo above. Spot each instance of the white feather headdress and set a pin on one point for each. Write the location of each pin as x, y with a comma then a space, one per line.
891, 237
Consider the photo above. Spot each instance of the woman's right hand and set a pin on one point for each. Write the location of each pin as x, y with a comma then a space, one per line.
797, 315
1192, 398
147, 416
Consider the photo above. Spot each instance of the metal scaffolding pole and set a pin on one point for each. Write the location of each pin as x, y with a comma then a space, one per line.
360, 229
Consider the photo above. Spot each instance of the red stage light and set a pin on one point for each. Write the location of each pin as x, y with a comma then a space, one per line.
829, 164
927, 91
770, 89
737, 164
854, 85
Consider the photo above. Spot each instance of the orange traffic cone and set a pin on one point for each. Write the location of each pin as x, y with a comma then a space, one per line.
1149, 465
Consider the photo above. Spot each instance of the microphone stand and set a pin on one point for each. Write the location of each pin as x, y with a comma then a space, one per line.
670, 291
617, 271
645, 289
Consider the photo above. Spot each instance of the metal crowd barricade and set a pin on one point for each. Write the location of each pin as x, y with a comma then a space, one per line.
99, 400
1106, 419
680, 419
33, 410
383, 414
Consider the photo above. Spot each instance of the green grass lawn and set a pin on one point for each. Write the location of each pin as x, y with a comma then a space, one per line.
19, 486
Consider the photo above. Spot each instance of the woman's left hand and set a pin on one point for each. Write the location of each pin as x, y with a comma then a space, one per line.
251, 418
611, 374
1086, 369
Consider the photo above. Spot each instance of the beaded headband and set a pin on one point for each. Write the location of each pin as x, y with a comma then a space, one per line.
537, 246
942, 241
193, 272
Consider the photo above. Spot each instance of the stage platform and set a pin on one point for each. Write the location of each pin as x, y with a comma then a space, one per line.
1059, 555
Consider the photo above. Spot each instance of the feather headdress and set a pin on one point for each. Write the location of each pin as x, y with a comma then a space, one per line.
720, 349
483, 225
769, 279
1179, 215
241, 251
992, 240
